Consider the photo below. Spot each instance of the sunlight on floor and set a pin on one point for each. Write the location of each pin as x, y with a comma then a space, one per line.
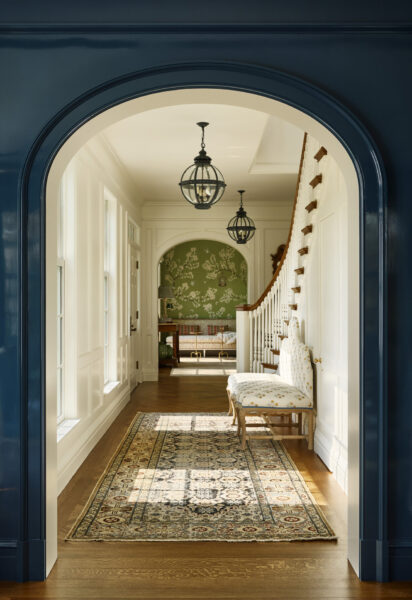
212, 365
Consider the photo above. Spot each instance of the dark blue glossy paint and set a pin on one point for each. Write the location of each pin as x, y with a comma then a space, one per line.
353, 77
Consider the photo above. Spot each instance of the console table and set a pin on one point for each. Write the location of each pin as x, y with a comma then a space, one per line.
172, 328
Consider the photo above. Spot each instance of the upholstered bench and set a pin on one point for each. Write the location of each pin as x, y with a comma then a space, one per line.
272, 396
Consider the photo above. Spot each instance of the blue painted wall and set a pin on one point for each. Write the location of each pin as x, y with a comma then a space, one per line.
53, 54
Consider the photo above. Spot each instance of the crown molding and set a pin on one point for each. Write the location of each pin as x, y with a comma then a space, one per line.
208, 28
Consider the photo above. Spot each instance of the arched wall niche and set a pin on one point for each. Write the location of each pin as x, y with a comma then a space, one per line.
324, 118
210, 235
245, 256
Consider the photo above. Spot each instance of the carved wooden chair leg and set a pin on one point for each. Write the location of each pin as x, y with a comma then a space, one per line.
230, 411
310, 430
300, 423
242, 419
238, 419
234, 413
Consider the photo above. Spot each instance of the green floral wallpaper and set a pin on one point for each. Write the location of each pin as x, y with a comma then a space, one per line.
209, 280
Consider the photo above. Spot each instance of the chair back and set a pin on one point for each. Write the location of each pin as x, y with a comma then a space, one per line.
295, 365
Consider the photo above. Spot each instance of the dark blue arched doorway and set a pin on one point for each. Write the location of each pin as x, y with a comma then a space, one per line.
367, 162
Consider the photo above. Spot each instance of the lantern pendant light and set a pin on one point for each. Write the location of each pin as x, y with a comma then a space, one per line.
241, 228
202, 184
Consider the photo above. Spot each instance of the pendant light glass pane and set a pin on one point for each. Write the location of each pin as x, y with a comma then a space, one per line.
202, 184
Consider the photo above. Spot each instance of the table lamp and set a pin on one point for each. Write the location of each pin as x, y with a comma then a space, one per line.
165, 293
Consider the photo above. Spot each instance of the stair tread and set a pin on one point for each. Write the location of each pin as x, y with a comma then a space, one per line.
307, 229
311, 206
275, 352
300, 270
296, 289
316, 180
269, 366
320, 153
304, 250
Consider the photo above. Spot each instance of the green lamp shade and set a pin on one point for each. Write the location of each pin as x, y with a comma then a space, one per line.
166, 291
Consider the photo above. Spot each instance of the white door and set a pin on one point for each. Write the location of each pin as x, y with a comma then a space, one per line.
328, 329
134, 316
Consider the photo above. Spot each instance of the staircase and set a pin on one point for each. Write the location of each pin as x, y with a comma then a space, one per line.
262, 326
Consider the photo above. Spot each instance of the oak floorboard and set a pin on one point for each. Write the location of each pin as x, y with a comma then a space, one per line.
200, 570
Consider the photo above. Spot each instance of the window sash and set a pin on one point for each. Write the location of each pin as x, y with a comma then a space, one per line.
60, 342
106, 340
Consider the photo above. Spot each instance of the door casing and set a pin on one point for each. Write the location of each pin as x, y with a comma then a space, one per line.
373, 331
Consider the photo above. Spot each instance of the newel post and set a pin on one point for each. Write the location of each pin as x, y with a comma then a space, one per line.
243, 339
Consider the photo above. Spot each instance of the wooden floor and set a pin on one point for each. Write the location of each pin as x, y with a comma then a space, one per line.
199, 570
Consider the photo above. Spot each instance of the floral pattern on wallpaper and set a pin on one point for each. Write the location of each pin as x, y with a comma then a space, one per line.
209, 280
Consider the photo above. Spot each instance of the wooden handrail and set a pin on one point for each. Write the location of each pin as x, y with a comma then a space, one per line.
282, 260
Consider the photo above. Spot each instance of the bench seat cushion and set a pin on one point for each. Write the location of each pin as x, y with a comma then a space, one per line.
266, 391
236, 378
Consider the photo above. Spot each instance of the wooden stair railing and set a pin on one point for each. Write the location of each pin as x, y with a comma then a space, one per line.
258, 302
265, 322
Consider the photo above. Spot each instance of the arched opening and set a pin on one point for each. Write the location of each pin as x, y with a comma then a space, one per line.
294, 115
207, 279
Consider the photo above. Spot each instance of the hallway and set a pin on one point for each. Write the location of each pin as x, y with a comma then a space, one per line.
196, 569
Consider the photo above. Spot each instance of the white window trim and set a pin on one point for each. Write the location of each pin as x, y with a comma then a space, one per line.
106, 326
109, 286
61, 343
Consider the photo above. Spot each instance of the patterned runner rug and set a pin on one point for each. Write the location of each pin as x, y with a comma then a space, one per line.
184, 477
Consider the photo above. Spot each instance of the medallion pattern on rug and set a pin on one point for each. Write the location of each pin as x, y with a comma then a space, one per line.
185, 477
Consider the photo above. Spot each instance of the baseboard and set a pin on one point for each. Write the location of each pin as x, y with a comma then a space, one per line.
10, 563
22, 561
400, 560
334, 455
150, 375
70, 468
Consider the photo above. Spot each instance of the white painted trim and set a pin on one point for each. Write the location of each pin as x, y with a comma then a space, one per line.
325, 137
334, 454
149, 375
87, 442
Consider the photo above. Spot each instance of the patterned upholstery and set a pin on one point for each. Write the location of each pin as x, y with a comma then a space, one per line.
293, 387
214, 329
237, 378
270, 394
295, 365
185, 329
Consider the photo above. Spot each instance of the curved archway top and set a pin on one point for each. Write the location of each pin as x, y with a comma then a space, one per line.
334, 127
213, 95
212, 236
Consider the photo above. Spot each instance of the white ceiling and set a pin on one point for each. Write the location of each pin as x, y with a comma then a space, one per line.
254, 151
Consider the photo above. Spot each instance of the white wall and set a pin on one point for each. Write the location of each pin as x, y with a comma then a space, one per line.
91, 176
165, 224
326, 318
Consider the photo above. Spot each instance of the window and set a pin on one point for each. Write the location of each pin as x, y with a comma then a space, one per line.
60, 342
60, 309
109, 292
106, 327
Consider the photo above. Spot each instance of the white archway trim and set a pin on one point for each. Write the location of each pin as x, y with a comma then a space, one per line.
298, 118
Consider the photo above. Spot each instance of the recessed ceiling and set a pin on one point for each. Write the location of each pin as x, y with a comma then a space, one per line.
254, 151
